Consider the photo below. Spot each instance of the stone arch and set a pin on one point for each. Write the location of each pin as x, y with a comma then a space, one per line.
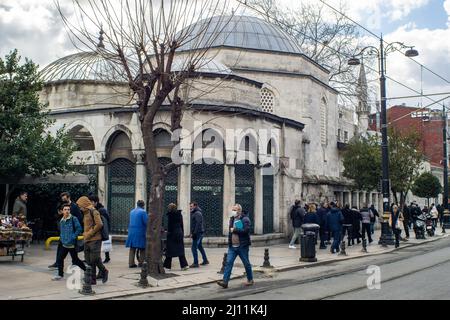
119, 147
107, 137
247, 146
82, 138
209, 145
88, 127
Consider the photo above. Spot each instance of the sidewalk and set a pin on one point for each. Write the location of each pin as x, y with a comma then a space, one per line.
32, 279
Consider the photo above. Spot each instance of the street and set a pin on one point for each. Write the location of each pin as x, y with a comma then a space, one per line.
413, 272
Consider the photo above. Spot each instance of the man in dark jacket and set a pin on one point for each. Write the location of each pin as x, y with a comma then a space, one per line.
297, 216
20, 205
197, 231
322, 214
348, 224
238, 245
406, 219
374, 219
335, 220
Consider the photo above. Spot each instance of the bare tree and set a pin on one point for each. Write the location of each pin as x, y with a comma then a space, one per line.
143, 38
329, 40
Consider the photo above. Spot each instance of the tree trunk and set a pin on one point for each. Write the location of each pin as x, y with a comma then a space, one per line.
402, 200
12, 188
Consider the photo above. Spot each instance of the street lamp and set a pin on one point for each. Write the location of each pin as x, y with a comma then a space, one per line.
381, 53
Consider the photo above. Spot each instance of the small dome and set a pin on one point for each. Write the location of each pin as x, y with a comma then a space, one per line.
238, 31
94, 66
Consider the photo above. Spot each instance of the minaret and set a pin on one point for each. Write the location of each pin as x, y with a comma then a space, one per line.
363, 109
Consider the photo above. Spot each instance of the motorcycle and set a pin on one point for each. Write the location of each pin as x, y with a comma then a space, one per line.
429, 224
419, 226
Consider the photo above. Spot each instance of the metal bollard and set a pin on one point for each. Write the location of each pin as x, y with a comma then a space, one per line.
343, 252
364, 245
266, 263
143, 282
87, 286
224, 263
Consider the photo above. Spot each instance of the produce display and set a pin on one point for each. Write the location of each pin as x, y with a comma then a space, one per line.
14, 229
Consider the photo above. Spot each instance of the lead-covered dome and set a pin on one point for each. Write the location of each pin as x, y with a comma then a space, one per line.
238, 31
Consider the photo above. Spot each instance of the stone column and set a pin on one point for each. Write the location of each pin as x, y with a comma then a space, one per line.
184, 190
229, 188
258, 200
141, 178
341, 198
358, 204
276, 204
102, 182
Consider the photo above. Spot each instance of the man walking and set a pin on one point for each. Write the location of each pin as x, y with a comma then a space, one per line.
74, 209
92, 238
322, 214
366, 216
335, 220
137, 231
297, 217
104, 213
406, 220
374, 219
238, 245
197, 231
70, 230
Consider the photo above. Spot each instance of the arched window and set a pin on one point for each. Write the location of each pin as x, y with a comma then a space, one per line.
323, 122
82, 138
163, 139
119, 146
267, 100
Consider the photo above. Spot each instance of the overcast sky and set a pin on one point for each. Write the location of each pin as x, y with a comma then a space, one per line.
35, 28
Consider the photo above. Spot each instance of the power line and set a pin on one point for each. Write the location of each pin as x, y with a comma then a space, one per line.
419, 96
372, 33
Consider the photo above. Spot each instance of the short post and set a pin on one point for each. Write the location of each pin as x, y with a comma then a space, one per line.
364, 245
143, 282
343, 252
87, 286
266, 263
224, 263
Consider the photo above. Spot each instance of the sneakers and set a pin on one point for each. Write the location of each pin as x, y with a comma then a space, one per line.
53, 266
205, 263
249, 283
57, 278
185, 268
292, 247
105, 276
194, 265
223, 284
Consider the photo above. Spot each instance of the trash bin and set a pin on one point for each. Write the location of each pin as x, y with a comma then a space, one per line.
308, 247
313, 228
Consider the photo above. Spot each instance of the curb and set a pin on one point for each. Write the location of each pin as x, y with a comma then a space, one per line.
107, 296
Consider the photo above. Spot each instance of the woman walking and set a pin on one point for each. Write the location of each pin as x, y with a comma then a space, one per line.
394, 222
175, 238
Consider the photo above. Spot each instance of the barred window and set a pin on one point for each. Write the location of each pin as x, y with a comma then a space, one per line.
267, 100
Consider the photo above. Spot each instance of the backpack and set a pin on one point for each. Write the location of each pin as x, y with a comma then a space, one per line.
104, 230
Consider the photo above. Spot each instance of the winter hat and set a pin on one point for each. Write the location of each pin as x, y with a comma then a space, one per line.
84, 203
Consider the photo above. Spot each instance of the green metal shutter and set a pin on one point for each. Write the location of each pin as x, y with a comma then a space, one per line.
207, 191
121, 193
245, 190
268, 203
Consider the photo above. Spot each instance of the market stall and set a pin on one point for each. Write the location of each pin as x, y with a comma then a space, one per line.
14, 234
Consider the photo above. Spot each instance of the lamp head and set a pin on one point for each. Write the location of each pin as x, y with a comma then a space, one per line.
411, 53
354, 62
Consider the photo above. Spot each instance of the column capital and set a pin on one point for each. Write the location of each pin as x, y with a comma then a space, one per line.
186, 156
139, 156
230, 157
101, 158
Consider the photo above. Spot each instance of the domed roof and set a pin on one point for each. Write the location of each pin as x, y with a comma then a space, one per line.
238, 31
204, 65
94, 65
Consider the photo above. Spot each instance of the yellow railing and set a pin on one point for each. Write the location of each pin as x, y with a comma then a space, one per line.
52, 239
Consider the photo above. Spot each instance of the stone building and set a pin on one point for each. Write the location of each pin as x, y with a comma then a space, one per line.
266, 89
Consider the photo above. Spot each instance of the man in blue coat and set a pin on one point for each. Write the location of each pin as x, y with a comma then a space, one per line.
136, 234
335, 219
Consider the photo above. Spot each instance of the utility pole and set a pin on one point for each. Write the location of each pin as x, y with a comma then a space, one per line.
445, 161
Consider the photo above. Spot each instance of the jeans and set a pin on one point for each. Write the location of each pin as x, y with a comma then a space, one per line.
197, 245
336, 241
366, 229
372, 227
168, 262
242, 252
397, 233
75, 260
92, 253
297, 233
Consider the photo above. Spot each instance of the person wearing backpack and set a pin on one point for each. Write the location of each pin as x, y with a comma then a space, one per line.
106, 244
70, 230
94, 232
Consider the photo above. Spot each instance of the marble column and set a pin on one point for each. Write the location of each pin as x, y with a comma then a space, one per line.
258, 201
102, 182
184, 190
229, 188
276, 203
141, 178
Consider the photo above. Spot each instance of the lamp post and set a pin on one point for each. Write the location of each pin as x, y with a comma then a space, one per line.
381, 53
445, 219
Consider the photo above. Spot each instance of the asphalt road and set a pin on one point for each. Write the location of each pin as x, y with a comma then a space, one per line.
418, 273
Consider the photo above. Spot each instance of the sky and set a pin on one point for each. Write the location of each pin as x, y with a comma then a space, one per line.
35, 28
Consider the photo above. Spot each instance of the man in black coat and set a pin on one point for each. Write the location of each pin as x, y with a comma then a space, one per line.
197, 231
322, 214
406, 219
175, 238
347, 227
297, 216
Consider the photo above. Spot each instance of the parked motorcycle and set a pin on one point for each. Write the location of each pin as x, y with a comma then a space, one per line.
419, 226
429, 224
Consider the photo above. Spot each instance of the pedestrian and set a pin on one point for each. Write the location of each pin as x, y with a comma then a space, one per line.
374, 219
70, 230
59, 248
20, 205
322, 214
137, 230
335, 220
347, 227
74, 209
92, 238
297, 216
366, 216
406, 220
394, 222
356, 234
312, 217
440, 209
175, 238
238, 245
197, 232
434, 215
106, 245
